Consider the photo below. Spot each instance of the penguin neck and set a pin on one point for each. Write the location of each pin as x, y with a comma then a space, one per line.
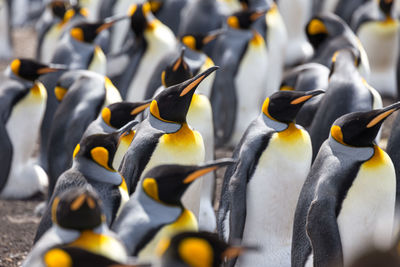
167, 127
10, 74
273, 124
95, 172
351, 152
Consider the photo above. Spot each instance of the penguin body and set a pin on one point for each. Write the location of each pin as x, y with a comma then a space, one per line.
347, 92
23, 103
88, 92
77, 49
6, 50
164, 136
242, 56
92, 164
153, 40
343, 210
306, 77
378, 30
155, 212
273, 146
295, 15
77, 222
346, 9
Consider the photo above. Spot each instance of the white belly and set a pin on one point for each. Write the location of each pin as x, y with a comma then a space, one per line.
198, 198
49, 43
367, 214
272, 195
250, 85
159, 43
205, 86
276, 49
99, 62
376, 37
296, 15
23, 126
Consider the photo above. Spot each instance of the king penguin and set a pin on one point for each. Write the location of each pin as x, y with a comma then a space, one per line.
86, 93
274, 155
57, 16
6, 47
78, 221
23, 102
199, 197
77, 49
164, 136
153, 40
347, 92
92, 164
114, 117
155, 213
347, 202
379, 30
242, 55
198, 248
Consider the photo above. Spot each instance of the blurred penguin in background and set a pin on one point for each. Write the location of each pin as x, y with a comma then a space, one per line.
378, 27
6, 48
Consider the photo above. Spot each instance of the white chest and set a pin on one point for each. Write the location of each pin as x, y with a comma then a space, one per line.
367, 214
49, 43
250, 87
271, 196
160, 41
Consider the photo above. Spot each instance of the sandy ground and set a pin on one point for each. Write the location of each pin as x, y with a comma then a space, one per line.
17, 220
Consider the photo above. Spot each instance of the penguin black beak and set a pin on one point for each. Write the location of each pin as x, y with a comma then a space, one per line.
180, 60
206, 168
383, 114
51, 68
257, 14
213, 35
142, 106
307, 96
126, 128
108, 22
192, 83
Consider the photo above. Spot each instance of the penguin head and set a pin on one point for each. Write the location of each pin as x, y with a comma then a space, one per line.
177, 72
86, 32
101, 148
283, 106
386, 7
197, 41
58, 8
244, 19
167, 183
322, 27
172, 104
198, 249
359, 129
142, 18
77, 208
155, 5
119, 114
31, 70
344, 57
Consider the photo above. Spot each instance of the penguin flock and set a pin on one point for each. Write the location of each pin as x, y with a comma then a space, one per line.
117, 120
